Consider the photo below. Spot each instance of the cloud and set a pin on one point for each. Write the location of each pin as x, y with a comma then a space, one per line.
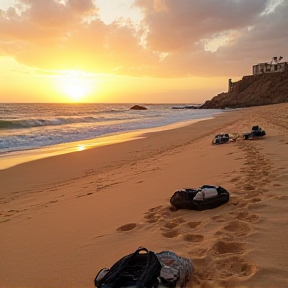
82, 6
173, 39
183, 23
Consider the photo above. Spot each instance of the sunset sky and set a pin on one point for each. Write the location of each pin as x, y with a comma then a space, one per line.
134, 51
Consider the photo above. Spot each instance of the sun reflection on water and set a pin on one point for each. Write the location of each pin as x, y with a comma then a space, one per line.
81, 147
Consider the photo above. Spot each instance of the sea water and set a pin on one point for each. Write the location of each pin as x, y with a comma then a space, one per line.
26, 127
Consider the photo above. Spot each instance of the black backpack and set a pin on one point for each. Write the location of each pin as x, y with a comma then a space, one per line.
140, 269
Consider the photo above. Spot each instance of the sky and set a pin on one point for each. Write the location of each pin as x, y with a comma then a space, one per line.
134, 51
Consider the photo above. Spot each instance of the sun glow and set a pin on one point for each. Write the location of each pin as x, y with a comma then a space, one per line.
75, 85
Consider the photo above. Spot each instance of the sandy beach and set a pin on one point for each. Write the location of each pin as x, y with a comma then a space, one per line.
65, 217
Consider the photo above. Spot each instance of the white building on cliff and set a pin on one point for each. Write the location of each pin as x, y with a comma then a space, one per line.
274, 66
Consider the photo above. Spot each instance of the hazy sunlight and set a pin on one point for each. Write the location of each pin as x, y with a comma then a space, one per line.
74, 85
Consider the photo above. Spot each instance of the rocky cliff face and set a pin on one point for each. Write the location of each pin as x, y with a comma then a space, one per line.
252, 90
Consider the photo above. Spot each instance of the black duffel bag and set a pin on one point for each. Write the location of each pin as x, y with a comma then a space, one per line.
205, 197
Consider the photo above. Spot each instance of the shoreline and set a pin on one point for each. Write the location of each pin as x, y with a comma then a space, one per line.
11, 159
65, 217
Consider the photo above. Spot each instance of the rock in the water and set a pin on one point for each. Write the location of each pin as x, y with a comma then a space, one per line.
138, 107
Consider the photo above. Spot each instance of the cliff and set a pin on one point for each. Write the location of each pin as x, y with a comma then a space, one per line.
253, 90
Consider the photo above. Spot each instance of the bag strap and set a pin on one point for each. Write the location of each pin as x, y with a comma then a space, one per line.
141, 249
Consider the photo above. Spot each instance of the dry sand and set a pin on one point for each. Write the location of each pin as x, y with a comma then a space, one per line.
65, 217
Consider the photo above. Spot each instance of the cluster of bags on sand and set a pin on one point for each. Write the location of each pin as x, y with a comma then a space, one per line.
224, 138
146, 269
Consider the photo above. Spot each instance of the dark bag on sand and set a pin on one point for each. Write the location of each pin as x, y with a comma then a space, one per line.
205, 197
140, 269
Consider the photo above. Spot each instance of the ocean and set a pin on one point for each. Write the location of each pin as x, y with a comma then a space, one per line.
26, 127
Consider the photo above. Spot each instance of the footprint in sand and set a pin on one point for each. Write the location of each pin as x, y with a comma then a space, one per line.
247, 217
238, 203
256, 200
152, 218
222, 247
171, 225
171, 234
265, 173
249, 187
127, 227
193, 224
155, 214
221, 218
235, 179
235, 266
218, 234
165, 212
193, 237
277, 185
238, 228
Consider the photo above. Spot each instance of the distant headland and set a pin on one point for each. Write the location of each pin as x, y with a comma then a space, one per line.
267, 85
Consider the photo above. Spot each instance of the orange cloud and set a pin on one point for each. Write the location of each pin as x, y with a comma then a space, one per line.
171, 40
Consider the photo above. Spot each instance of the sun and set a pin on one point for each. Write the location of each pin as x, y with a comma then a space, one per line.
74, 89
74, 85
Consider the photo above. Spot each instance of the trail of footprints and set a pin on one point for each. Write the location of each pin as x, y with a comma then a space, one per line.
221, 260
224, 260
